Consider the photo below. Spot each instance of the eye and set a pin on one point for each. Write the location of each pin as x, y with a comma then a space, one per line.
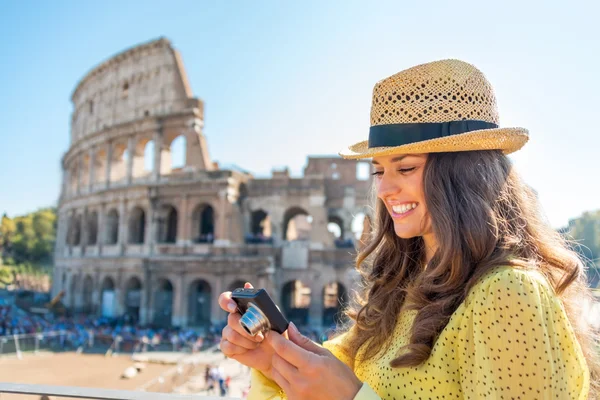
406, 170
377, 173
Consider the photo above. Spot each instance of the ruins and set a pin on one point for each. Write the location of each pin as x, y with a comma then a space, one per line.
140, 236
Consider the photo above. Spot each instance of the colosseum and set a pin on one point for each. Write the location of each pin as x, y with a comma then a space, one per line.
151, 228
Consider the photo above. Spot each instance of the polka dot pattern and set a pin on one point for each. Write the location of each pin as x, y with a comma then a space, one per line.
509, 339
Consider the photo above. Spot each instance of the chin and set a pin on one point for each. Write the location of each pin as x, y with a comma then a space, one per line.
403, 234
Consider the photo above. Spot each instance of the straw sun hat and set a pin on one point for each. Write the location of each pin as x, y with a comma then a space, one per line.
442, 106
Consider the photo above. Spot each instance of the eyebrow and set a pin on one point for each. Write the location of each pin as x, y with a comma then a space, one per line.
395, 159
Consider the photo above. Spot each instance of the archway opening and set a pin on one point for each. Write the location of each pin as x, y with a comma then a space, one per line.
295, 300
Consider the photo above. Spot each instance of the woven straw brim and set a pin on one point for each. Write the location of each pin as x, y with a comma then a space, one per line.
508, 140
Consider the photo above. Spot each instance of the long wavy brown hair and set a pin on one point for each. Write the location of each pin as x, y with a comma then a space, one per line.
482, 216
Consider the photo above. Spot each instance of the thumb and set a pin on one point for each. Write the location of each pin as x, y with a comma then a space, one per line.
304, 342
248, 285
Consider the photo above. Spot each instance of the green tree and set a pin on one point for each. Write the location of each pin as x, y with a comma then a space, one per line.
585, 230
29, 238
7, 232
585, 233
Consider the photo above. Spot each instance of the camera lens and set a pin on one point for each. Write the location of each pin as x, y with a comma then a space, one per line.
254, 321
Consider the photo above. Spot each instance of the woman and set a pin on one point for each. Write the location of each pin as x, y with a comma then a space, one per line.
469, 293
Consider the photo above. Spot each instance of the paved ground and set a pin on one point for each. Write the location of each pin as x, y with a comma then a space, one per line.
167, 372
71, 369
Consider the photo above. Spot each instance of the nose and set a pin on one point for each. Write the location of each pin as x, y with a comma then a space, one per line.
387, 186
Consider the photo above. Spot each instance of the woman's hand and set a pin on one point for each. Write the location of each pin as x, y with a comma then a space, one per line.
237, 344
305, 370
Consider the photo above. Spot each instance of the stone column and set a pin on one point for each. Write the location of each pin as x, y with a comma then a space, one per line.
183, 231
65, 183
119, 294
109, 157
315, 311
92, 178
130, 158
97, 295
197, 148
78, 295
348, 234
179, 318
84, 230
101, 234
145, 314
152, 225
123, 217
158, 145
276, 219
221, 233
216, 313
319, 235
79, 172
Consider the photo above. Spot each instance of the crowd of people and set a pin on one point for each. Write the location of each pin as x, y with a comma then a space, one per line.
122, 335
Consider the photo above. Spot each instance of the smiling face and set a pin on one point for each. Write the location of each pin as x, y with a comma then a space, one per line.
399, 182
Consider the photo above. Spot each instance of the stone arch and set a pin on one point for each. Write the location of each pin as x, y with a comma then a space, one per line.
296, 224
88, 293
335, 298
143, 162
361, 228
261, 230
177, 149
112, 227
92, 228
75, 230
203, 223
107, 297
137, 225
295, 301
133, 298
163, 302
85, 171
167, 224
336, 220
199, 303
118, 167
100, 160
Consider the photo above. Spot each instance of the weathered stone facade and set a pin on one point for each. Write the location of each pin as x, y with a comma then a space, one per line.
161, 243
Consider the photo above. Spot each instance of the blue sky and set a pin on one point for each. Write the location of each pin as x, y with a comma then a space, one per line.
282, 80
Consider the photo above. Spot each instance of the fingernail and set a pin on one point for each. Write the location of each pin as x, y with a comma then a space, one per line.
294, 328
260, 337
231, 307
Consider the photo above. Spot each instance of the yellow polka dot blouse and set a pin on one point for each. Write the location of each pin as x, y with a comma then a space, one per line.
509, 339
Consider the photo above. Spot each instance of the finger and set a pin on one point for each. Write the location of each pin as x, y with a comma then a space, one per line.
248, 285
296, 337
237, 339
287, 370
233, 321
289, 350
231, 350
226, 303
281, 381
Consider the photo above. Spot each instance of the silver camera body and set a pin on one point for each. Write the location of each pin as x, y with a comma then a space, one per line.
259, 312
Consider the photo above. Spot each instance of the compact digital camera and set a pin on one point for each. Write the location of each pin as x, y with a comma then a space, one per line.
259, 312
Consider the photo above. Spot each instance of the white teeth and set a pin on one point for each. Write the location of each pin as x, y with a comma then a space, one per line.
404, 208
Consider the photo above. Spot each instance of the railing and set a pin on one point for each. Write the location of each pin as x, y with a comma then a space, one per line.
90, 342
94, 393
17, 344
